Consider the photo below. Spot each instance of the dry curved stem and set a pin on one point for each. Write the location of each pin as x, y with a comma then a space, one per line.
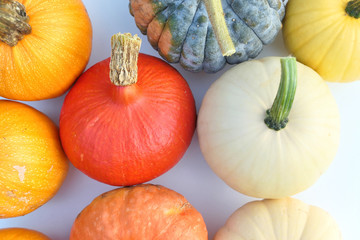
216, 15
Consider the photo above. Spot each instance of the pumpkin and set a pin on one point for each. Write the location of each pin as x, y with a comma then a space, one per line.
263, 147
279, 219
139, 212
127, 119
32, 162
21, 234
44, 46
183, 32
324, 35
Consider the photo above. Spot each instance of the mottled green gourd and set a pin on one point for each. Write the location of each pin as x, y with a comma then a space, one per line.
181, 30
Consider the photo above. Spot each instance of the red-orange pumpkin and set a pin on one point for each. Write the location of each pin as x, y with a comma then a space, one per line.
134, 131
143, 212
127, 134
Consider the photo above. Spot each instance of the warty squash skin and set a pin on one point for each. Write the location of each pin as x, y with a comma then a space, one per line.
32, 163
144, 212
249, 156
21, 234
322, 35
279, 219
181, 30
47, 61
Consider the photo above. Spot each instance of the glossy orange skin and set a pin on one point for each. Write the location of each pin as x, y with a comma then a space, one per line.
143, 212
21, 234
33, 165
46, 62
128, 135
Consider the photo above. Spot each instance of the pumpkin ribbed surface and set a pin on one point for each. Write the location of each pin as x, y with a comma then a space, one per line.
323, 36
46, 62
279, 219
181, 30
141, 212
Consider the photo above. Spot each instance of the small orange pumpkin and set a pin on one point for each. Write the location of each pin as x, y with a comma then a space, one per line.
140, 212
32, 162
44, 47
21, 234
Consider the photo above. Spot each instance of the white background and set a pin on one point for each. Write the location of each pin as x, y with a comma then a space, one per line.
337, 191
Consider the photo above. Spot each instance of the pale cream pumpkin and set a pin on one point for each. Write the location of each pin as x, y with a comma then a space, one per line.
279, 219
253, 158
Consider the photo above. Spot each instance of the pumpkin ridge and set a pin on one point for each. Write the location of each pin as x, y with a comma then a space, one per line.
306, 222
314, 21
266, 207
176, 48
258, 228
166, 13
34, 89
271, 23
165, 25
354, 37
188, 35
314, 34
324, 229
306, 11
334, 39
243, 20
17, 56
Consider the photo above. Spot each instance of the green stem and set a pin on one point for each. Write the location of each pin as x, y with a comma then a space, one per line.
13, 22
125, 50
353, 9
217, 19
277, 115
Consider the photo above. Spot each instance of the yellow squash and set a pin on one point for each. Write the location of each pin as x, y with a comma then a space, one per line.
325, 35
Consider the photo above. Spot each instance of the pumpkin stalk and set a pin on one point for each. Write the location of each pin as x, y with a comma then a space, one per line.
353, 8
216, 16
277, 115
125, 50
13, 22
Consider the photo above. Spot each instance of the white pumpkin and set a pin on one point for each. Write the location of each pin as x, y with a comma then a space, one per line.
249, 156
279, 219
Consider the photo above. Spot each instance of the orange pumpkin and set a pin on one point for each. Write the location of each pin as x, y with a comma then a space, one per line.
44, 47
32, 162
21, 234
140, 212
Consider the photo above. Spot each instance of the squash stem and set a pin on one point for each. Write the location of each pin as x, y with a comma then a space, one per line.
353, 8
216, 16
13, 22
277, 115
125, 50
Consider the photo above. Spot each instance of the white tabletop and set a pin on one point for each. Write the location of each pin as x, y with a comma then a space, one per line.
337, 191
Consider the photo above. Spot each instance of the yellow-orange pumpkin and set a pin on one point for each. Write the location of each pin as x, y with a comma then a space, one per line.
32, 162
21, 234
46, 50
143, 212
